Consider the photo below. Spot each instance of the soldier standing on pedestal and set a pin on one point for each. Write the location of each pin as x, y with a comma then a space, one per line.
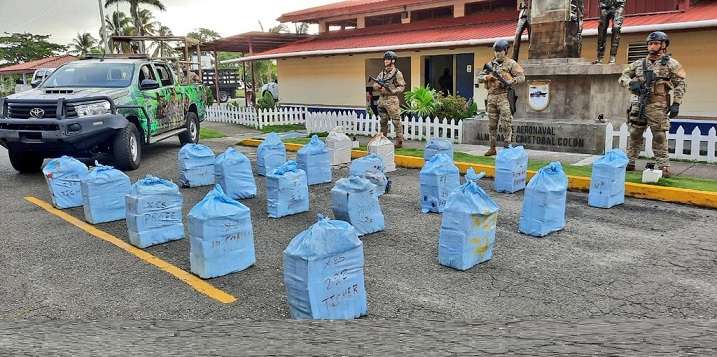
498, 105
650, 80
609, 9
523, 24
388, 103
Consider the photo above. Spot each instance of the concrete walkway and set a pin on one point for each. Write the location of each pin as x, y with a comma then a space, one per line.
680, 168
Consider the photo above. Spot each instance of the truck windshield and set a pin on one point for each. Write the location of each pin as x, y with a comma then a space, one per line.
91, 74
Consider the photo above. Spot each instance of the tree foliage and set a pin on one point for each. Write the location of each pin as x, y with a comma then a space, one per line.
83, 44
23, 47
204, 35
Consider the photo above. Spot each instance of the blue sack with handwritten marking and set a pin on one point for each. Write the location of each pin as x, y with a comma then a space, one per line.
438, 178
314, 159
324, 273
467, 235
354, 200
63, 176
544, 202
607, 185
287, 191
438, 146
511, 168
221, 239
270, 154
196, 165
232, 171
154, 212
103, 194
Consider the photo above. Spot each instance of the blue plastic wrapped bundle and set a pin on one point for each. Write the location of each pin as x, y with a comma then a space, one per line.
233, 172
314, 159
103, 194
467, 234
221, 239
154, 212
354, 200
607, 186
270, 154
324, 272
360, 165
287, 192
196, 165
511, 168
438, 146
438, 178
371, 168
544, 202
63, 176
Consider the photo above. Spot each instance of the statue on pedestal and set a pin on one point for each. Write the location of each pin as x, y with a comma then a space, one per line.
609, 10
523, 24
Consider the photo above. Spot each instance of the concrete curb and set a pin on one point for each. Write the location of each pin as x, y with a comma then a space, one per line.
575, 183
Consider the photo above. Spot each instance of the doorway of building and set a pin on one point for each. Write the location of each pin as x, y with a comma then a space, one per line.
450, 74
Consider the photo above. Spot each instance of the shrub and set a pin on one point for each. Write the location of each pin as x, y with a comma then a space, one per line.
266, 101
421, 101
456, 107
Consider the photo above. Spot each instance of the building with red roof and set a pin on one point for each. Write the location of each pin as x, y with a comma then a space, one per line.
435, 39
26, 69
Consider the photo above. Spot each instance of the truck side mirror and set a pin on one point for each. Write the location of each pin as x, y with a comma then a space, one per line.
148, 84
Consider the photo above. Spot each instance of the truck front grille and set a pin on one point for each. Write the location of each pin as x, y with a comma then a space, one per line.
22, 110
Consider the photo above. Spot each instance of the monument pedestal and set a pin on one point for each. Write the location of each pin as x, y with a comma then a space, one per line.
559, 106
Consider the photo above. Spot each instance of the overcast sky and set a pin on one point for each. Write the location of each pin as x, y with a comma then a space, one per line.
63, 19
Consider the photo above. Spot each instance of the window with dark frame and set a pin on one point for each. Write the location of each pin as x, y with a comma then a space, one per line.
636, 51
479, 7
430, 14
381, 20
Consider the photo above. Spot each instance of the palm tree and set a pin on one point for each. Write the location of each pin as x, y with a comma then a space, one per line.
134, 11
301, 28
119, 25
147, 24
280, 28
161, 48
83, 44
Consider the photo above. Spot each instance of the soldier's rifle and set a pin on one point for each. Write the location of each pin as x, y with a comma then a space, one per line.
645, 90
512, 97
382, 83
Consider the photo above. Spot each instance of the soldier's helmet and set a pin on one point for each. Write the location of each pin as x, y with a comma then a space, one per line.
659, 36
390, 55
501, 45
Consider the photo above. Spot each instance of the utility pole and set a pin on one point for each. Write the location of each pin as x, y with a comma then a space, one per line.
103, 32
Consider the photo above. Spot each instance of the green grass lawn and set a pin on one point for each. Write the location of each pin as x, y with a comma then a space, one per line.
283, 128
693, 183
206, 133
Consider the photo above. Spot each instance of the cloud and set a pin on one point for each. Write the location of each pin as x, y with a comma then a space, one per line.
63, 19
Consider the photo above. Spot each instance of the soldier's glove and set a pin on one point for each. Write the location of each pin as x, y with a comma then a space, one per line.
674, 110
635, 86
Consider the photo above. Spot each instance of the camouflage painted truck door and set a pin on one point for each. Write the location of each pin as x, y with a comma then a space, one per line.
148, 99
171, 102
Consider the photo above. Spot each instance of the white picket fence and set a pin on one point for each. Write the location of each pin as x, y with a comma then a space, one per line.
352, 122
694, 146
256, 118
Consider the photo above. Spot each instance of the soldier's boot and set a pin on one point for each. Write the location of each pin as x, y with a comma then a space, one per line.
598, 59
630, 167
399, 143
666, 172
491, 151
612, 60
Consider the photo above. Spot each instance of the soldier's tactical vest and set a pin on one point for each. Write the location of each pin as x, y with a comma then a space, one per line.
662, 87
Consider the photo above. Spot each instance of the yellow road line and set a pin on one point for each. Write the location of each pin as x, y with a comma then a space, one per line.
191, 280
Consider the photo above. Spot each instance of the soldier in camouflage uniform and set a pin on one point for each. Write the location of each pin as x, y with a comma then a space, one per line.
669, 76
388, 103
499, 115
523, 25
609, 9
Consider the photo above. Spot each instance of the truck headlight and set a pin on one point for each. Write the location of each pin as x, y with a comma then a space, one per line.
98, 108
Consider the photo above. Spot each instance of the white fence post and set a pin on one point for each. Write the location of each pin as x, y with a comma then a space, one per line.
711, 141
696, 138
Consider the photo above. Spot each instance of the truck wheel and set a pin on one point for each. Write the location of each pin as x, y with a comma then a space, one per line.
127, 148
25, 162
191, 136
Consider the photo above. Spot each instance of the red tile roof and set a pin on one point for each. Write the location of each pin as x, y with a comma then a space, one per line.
31, 66
470, 31
348, 7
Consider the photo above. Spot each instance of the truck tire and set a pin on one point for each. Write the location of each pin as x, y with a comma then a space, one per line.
127, 148
191, 136
25, 162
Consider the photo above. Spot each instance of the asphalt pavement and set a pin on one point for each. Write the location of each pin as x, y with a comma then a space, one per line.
641, 260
